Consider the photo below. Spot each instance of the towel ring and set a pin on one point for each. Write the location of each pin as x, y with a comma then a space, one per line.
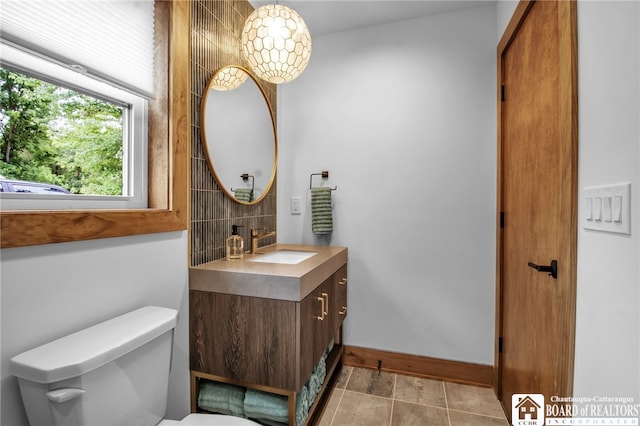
245, 177
324, 174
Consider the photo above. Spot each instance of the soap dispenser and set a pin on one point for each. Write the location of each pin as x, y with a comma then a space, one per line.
235, 244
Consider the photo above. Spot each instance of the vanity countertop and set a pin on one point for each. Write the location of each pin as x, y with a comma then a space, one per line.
269, 280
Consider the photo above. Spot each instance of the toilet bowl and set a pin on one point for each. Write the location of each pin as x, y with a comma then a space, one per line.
113, 373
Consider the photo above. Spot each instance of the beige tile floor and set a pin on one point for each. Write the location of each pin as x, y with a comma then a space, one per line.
362, 397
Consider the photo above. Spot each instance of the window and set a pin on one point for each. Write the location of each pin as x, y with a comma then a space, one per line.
168, 140
63, 128
104, 51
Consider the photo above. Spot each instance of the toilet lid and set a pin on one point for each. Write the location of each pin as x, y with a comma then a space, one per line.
215, 420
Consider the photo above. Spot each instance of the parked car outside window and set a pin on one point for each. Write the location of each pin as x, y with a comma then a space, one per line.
23, 186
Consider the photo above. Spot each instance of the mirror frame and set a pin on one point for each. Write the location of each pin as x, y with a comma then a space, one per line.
205, 144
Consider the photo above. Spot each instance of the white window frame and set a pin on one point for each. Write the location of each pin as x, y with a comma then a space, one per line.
135, 136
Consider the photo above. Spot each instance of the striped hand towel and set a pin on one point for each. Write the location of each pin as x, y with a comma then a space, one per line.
321, 211
243, 194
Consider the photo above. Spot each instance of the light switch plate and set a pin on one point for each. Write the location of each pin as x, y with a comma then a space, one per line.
611, 208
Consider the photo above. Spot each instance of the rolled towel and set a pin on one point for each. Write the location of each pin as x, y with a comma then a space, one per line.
268, 406
302, 405
320, 369
330, 347
310, 396
323, 359
314, 386
221, 398
321, 211
243, 194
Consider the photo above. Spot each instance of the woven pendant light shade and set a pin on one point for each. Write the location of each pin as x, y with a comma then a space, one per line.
228, 78
276, 43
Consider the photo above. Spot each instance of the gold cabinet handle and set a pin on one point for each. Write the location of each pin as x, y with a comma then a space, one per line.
321, 300
325, 304
343, 281
343, 311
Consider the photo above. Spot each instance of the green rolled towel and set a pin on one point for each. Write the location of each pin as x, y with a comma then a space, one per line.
330, 347
321, 211
266, 406
243, 194
314, 385
320, 370
302, 405
221, 398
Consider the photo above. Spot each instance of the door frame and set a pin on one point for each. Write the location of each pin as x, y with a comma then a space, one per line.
568, 130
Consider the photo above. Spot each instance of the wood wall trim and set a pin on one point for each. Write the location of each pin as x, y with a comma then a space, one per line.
420, 366
168, 195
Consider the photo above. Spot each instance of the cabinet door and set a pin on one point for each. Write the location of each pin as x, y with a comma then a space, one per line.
243, 338
339, 308
340, 282
339, 313
315, 327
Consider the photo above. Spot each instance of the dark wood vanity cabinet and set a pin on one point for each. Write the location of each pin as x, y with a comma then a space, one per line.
266, 342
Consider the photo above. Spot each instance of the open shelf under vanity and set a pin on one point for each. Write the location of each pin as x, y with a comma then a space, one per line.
334, 366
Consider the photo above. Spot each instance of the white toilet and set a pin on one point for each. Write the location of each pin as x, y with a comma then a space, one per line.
114, 373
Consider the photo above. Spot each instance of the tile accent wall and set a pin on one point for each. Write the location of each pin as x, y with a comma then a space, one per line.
216, 28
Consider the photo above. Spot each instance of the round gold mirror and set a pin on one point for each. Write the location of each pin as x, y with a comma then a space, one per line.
239, 134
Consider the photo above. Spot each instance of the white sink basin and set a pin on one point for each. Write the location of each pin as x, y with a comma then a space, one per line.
288, 257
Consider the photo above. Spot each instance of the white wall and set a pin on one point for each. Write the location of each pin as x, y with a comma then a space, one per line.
505, 10
52, 290
403, 117
608, 319
608, 296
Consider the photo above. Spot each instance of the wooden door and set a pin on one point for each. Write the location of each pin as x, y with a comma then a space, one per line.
537, 196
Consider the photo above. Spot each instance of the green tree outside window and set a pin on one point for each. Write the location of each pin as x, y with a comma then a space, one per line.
55, 135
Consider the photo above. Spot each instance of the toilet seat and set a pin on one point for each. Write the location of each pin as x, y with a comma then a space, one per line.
209, 420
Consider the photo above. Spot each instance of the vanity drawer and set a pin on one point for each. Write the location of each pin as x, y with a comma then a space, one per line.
340, 283
339, 312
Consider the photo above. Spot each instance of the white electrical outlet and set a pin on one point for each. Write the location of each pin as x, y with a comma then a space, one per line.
296, 205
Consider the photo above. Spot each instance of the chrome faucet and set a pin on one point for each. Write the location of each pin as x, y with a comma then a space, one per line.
256, 237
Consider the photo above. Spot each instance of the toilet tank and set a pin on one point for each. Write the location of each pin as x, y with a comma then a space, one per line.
114, 373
